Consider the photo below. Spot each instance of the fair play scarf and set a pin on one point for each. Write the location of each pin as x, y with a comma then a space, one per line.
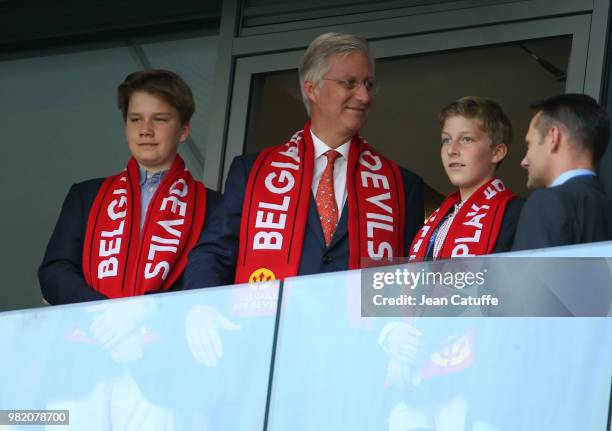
475, 228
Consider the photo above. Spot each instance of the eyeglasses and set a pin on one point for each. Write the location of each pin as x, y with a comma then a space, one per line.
352, 84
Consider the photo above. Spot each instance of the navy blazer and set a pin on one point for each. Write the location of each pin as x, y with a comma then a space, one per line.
575, 212
60, 273
512, 214
212, 262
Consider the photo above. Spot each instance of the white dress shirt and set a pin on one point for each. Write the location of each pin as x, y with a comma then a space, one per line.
320, 162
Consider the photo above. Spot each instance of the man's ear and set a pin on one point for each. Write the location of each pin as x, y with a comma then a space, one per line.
499, 152
185, 131
554, 135
311, 90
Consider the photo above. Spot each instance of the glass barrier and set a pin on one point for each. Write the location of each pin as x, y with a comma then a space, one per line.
337, 370
189, 360
594, 249
202, 360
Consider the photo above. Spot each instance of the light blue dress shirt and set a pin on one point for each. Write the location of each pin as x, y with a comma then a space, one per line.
148, 185
568, 175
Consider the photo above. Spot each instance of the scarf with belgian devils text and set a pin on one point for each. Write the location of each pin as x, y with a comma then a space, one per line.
275, 209
475, 228
118, 259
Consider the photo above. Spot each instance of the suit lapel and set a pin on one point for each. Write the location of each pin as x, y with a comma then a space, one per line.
314, 222
342, 228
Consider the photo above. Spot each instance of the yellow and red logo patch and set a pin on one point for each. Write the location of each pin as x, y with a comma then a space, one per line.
262, 274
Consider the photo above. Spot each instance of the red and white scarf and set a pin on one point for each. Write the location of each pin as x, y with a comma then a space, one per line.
118, 259
275, 209
475, 227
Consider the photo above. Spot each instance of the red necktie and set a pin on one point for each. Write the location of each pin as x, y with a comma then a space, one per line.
326, 200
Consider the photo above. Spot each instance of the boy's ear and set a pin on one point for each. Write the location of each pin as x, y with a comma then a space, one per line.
185, 130
499, 153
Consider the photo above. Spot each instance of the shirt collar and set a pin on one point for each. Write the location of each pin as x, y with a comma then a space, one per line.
568, 175
321, 147
145, 175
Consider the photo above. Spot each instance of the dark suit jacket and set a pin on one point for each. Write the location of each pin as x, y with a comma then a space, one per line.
575, 212
509, 224
212, 262
60, 274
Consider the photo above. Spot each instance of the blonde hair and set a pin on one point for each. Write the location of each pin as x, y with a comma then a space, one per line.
486, 113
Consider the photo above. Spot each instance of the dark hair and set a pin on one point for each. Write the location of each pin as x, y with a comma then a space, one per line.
162, 83
587, 123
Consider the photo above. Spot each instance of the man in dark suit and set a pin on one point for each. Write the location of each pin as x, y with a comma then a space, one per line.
312, 205
157, 106
566, 140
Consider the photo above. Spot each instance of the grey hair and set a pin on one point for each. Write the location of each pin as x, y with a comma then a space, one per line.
315, 62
